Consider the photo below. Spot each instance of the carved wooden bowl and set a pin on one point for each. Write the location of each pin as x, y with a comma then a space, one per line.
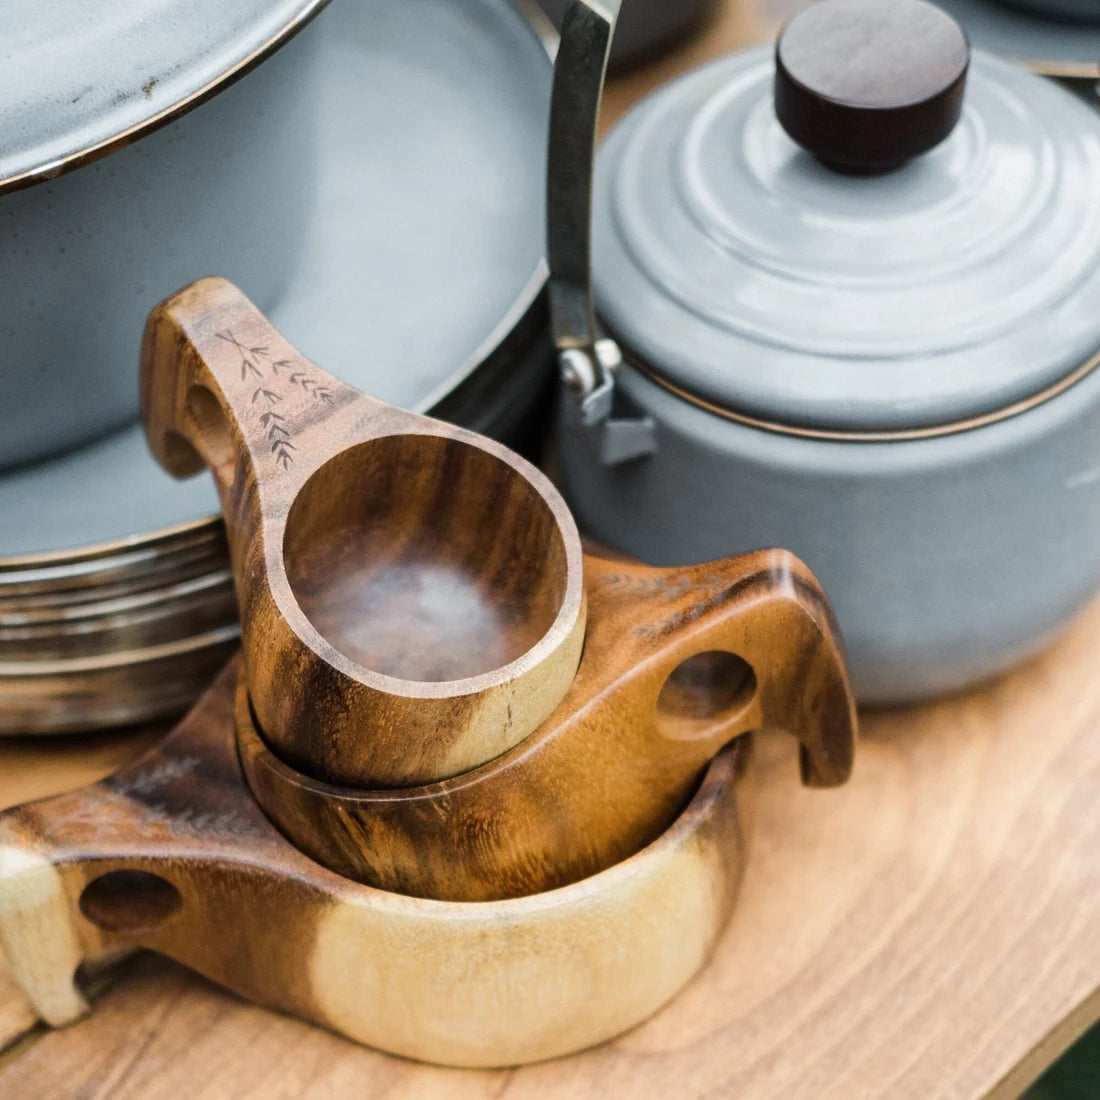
411, 593
413, 606
677, 663
173, 854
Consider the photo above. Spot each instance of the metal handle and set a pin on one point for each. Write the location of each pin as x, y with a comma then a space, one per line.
587, 362
579, 72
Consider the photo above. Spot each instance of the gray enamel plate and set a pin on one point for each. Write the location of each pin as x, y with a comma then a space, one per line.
424, 250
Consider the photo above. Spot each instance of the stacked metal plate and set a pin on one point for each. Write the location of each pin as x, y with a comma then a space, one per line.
420, 279
121, 633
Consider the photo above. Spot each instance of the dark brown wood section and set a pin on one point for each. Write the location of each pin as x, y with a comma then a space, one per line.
337, 504
677, 663
866, 86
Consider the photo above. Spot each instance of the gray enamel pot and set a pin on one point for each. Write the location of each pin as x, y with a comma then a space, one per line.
890, 369
95, 225
947, 560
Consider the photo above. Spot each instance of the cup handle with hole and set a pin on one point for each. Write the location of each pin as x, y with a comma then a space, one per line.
38, 936
173, 855
43, 937
767, 610
174, 807
221, 386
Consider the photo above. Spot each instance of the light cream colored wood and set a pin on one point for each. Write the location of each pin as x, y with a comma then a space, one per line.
17, 1015
518, 981
29, 769
37, 932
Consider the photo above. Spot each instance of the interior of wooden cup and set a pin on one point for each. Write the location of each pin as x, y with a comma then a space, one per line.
425, 558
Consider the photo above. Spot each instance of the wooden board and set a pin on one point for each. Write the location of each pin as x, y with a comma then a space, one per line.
736, 24
928, 931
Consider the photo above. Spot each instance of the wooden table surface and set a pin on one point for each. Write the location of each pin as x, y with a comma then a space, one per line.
931, 930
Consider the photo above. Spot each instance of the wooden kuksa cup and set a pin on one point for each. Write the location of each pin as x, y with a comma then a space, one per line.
411, 593
677, 663
384, 543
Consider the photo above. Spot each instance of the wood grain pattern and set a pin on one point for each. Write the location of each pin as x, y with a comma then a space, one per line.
31, 768
927, 932
676, 664
408, 590
337, 507
172, 852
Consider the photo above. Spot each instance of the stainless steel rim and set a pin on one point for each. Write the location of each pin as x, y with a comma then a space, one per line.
901, 436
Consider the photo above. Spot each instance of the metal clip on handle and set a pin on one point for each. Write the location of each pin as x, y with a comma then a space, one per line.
587, 362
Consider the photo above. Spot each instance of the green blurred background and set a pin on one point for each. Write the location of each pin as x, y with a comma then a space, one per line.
1075, 1076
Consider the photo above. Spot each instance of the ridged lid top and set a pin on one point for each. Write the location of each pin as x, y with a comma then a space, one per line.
749, 274
79, 76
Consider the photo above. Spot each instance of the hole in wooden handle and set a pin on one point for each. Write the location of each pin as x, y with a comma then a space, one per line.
704, 691
214, 435
129, 901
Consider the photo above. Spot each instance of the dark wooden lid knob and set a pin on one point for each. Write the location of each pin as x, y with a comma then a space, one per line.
866, 85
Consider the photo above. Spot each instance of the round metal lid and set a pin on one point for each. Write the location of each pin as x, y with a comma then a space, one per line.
78, 77
748, 274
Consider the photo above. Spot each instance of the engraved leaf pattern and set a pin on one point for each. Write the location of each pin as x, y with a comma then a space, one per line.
312, 387
255, 359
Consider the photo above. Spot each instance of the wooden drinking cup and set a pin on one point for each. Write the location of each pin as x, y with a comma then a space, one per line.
677, 664
410, 593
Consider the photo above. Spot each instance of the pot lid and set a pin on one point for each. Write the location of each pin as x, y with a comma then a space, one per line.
78, 77
743, 270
